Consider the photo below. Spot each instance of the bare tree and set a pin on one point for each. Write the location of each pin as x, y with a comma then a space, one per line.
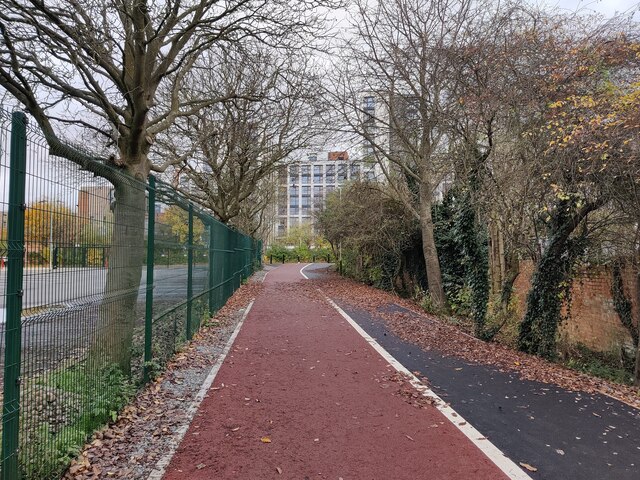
105, 62
402, 58
588, 158
407, 56
225, 154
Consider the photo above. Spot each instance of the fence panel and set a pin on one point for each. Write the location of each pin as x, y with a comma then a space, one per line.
100, 287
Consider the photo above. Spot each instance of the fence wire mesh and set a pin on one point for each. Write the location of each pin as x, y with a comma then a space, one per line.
101, 279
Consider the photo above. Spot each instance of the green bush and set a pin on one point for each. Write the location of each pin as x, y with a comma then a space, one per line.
292, 254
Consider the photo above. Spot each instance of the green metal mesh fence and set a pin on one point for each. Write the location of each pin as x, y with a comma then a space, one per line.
101, 279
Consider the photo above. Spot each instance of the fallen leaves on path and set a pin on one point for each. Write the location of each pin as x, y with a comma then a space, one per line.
131, 447
407, 320
405, 389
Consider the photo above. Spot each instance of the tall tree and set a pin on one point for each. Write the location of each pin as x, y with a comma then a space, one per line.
106, 62
589, 159
401, 61
225, 154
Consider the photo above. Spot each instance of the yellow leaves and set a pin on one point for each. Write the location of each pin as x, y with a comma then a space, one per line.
265, 440
559, 192
582, 101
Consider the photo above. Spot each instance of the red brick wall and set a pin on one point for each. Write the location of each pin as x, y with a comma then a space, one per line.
593, 320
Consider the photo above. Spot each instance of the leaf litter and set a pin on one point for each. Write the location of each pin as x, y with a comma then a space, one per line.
408, 321
131, 446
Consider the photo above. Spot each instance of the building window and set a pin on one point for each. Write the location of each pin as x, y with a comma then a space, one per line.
342, 172
330, 188
306, 174
293, 191
312, 157
355, 172
369, 103
371, 174
293, 221
306, 191
318, 196
282, 175
317, 174
293, 174
331, 173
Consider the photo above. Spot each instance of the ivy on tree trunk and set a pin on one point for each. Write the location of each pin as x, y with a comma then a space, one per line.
472, 239
552, 279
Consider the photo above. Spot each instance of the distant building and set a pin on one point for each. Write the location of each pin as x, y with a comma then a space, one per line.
94, 203
304, 185
380, 139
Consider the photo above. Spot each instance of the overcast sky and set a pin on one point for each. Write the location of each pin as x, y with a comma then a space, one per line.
606, 7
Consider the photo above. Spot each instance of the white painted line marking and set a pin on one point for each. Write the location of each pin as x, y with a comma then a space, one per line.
163, 463
301, 273
494, 454
268, 272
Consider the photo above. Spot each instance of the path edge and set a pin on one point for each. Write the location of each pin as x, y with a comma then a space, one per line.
495, 455
161, 467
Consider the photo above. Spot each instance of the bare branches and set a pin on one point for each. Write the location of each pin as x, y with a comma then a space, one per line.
113, 58
264, 106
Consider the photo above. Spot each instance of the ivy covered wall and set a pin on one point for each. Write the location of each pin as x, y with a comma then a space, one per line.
593, 320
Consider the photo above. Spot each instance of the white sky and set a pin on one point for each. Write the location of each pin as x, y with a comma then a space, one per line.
606, 7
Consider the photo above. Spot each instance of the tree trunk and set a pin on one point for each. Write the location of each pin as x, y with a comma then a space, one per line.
434, 276
496, 256
117, 312
544, 303
511, 274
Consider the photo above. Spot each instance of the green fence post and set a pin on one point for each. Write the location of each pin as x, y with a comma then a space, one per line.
15, 265
190, 273
246, 257
211, 277
148, 313
236, 262
239, 259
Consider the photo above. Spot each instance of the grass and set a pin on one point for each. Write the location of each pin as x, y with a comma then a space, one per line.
613, 366
66, 406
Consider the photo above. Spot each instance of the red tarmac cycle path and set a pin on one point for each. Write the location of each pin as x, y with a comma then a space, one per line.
301, 376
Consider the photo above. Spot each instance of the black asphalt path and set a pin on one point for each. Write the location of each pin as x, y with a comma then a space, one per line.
566, 435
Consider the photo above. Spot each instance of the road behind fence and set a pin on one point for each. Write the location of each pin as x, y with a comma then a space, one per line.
101, 279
